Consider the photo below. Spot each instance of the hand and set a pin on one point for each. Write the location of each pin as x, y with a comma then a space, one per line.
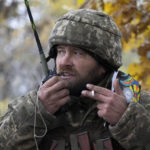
53, 94
111, 105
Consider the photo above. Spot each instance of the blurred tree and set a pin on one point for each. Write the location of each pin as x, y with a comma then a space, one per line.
20, 68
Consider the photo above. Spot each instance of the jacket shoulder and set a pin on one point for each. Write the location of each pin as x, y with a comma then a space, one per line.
145, 99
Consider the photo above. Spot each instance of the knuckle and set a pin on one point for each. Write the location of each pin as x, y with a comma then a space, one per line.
66, 84
107, 107
57, 105
39, 93
110, 100
68, 98
99, 113
42, 94
65, 100
113, 96
66, 92
61, 83
105, 112
50, 81
92, 86
87, 93
98, 106
55, 78
41, 88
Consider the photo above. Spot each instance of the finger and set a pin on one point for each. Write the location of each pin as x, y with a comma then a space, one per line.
64, 100
98, 97
100, 113
52, 107
50, 82
117, 87
99, 89
100, 106
46, 92
57, 87
61, 94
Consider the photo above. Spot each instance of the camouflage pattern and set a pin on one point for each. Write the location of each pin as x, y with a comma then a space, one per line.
90, 30
16, 126
133, 130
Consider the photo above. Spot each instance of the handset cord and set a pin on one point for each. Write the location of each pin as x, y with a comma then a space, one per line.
37, 110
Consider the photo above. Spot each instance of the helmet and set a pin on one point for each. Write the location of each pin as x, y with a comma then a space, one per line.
89, 30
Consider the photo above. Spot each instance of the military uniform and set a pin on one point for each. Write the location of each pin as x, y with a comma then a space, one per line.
16, 126
27, 125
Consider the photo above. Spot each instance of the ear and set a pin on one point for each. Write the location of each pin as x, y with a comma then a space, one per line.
102, 71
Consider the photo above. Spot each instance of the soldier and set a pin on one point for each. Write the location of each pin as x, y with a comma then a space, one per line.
80, 108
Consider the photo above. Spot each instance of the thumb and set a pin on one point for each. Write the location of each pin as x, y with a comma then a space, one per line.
117, 87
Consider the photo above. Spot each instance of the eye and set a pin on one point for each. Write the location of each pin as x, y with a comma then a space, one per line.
78, 52
60, 51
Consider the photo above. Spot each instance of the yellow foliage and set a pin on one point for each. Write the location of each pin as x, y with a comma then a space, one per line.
3, 106
123, 1
147, 82
35, 3
108, 8
135, 21
146, 33
62, 6
80, 2
145, 62
141, 72
133, 43
46, 29
135, 70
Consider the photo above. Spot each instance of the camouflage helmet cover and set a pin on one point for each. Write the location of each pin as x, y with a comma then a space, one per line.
90, 30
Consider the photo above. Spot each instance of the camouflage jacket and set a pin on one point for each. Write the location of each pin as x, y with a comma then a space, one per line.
132, 132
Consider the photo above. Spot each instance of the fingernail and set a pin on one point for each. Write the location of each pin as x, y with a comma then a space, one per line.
83, 92
88, 85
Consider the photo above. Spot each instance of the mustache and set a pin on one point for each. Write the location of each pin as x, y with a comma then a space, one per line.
66, 69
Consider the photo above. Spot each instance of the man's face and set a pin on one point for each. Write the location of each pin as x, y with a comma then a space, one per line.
77, 67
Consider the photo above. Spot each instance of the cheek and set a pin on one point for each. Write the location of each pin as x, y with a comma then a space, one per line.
91, 69
57, 65
82, 68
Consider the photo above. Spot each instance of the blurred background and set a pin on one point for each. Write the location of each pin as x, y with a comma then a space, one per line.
20, 69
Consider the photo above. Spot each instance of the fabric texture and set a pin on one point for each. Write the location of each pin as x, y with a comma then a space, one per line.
89, 30
17, 124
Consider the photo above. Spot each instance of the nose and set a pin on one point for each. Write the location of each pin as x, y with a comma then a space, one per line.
66, 60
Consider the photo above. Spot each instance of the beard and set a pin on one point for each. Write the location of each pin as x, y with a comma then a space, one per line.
78, 83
